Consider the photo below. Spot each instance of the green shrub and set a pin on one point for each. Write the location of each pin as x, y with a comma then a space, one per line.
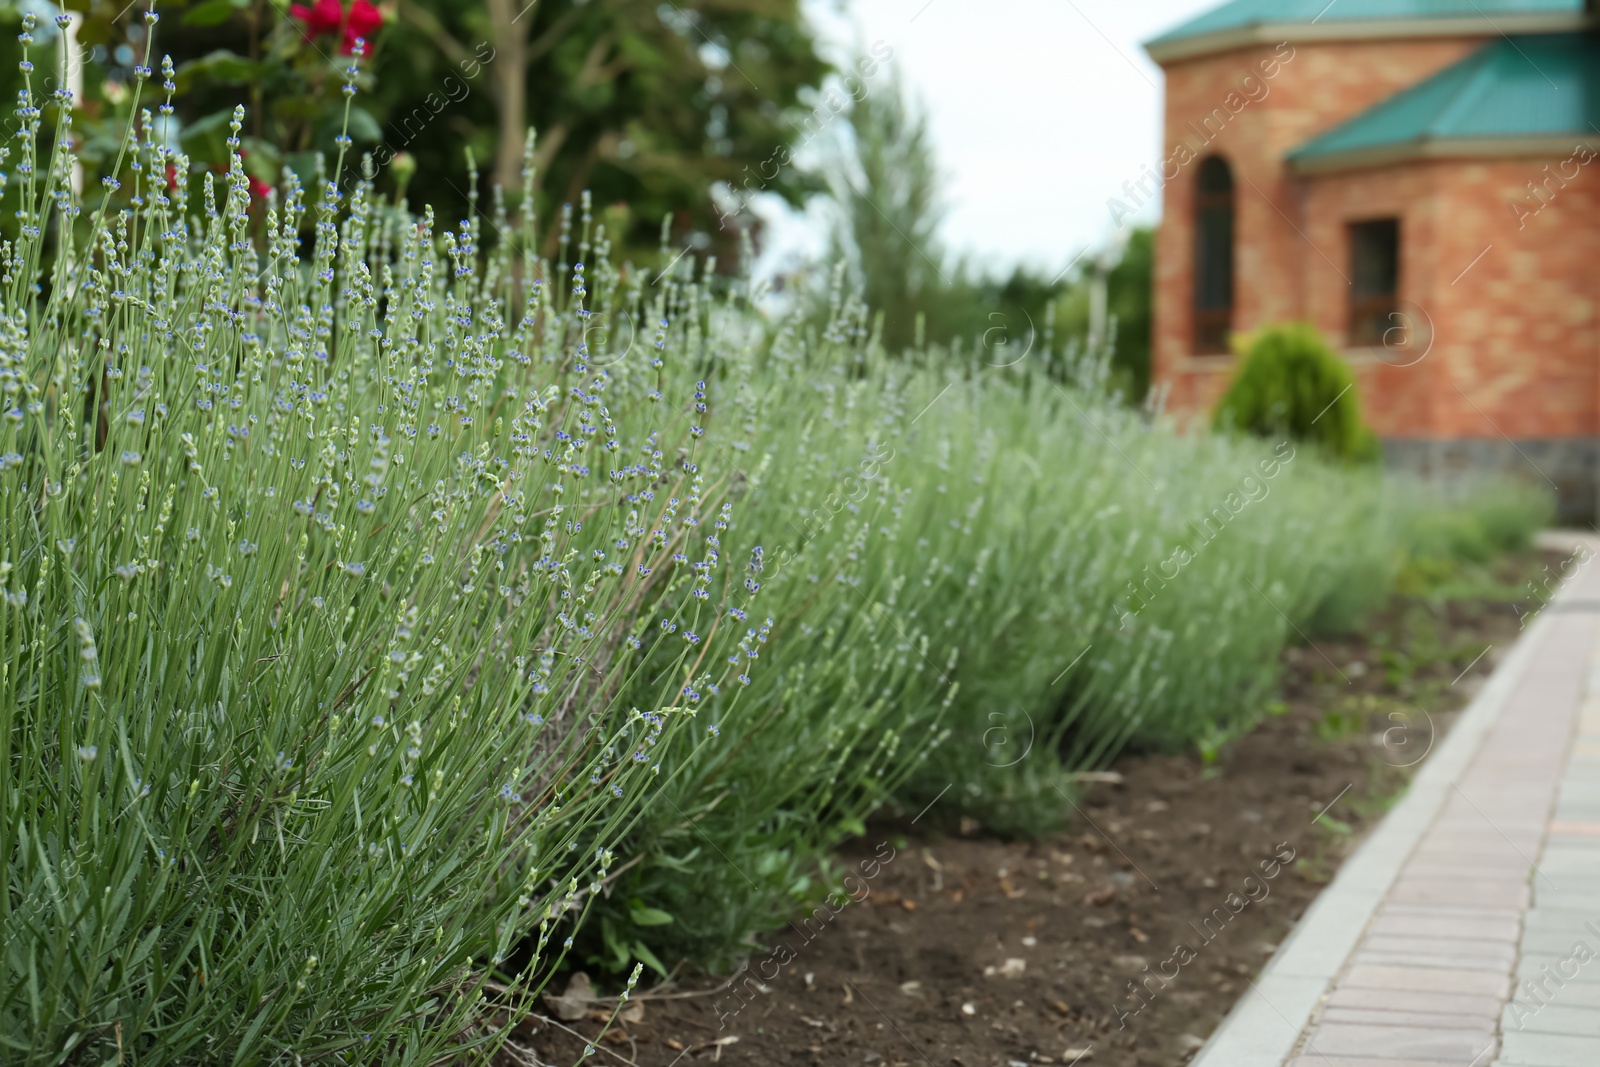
1293, 385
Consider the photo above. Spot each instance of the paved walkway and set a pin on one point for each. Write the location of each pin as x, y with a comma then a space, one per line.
1465, 932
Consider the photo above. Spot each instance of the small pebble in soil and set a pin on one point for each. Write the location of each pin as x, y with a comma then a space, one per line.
1030, 941
969, 1008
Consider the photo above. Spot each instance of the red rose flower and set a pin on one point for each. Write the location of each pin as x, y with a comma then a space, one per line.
328, 16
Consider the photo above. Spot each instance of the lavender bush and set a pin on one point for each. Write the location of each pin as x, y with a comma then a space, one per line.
327, 566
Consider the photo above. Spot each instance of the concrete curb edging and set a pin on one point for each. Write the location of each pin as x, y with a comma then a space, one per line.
1265, 1026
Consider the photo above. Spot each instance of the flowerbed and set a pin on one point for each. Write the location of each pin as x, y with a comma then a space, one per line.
390, 611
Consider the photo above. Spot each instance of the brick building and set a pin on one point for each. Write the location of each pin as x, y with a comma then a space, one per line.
1420, 179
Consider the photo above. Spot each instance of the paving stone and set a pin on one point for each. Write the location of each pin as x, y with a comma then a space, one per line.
1543, 917
1554, 1017
1478, 835
1504, 811
1440, 946
1501, 810
1451, 891
1572, 995
1367, 956
1315, 1060
1561, 900
1406, 1000
1550, 1050
1449, 911
1426, 1020
1468, 826
1406, 1042
1558, 969
1567, 811
1556, 940
1429, 980
1479, 855
1454, 868
1557, 861
1499, 931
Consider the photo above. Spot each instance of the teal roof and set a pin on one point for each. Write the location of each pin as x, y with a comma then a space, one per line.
1515, 89
1251, 14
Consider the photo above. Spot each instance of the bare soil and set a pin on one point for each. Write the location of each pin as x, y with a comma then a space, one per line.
1123, 941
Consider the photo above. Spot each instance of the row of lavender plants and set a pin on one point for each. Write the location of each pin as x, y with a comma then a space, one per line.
977, 581
391, 613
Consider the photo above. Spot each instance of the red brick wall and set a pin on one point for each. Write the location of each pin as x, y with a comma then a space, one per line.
1515, 335
1315, 88
1523, 340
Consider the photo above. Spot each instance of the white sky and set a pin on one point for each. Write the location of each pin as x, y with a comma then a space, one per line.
1040, 110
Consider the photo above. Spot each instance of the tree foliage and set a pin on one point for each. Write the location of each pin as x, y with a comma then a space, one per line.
888, 195
1129, 292
638, 102
644, 104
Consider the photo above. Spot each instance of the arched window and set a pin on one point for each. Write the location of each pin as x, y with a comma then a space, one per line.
1213, 256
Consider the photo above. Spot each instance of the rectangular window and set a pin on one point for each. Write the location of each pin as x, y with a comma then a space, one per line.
1374, 281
